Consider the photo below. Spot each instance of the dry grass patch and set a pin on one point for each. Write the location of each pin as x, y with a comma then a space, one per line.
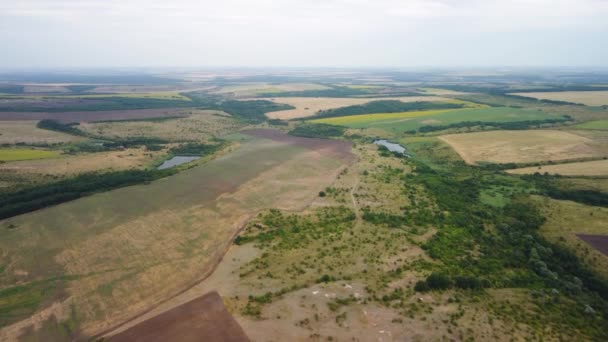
75, 164
589, 98
309, 106
590, 168
14, 132
200, 126
524, 146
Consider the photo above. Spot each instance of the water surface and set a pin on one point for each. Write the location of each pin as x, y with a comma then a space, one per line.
177, 160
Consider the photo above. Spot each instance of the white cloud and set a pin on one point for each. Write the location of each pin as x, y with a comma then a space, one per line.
291, 32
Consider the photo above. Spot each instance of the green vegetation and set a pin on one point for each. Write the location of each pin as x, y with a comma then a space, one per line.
593, 125
516, 125
14, 154
251, 111
195, 149
53, 125
387, 106
413, 121
45, 195
310, 130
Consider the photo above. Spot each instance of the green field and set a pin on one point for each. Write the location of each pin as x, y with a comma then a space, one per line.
413, 120
597, 125
13, 154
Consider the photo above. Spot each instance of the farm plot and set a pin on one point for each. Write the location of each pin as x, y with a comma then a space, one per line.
309, 106
523, 146
252, 89
588, 98
200, 125
26, 132
600, 125
92, 116
408, 121
116, 254
590, 168
15, 154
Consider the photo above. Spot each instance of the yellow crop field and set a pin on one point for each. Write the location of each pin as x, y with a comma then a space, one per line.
13, 154
365, 118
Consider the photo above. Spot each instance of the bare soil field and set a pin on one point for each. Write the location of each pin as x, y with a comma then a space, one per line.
122, 252
15, 132
309, 106
590, 168
201, 125
338, 149
202, 319
92, 116
523, 146
589, 98
599, 242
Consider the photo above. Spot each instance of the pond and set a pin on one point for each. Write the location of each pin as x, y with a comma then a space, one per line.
391, 146
177, 160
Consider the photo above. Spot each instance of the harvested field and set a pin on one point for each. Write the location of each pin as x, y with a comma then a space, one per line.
200, 126
75, 164
589, 98
309, 106
202, 319
92, 116
524, 146
599, 242
116, 254
590, 168
15, 132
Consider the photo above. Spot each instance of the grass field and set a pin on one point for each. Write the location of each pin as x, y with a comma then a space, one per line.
201, 125
309, 106
590, 168
601, 125
253, 89
565, 219
589, 98
14, 154
75, 164
406, 121
523, 146
115, 253
14, 132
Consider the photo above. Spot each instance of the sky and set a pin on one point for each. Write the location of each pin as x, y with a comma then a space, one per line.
302, 33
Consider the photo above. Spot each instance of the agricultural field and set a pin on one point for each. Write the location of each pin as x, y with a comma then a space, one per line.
16, 154
26, 132
93, 116
182, 222
590, 168
199, 125
253, 89
601, 125
588, 98
526, 146
309, 106
411, 121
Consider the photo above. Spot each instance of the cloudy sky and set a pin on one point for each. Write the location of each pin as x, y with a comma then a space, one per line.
334, 33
